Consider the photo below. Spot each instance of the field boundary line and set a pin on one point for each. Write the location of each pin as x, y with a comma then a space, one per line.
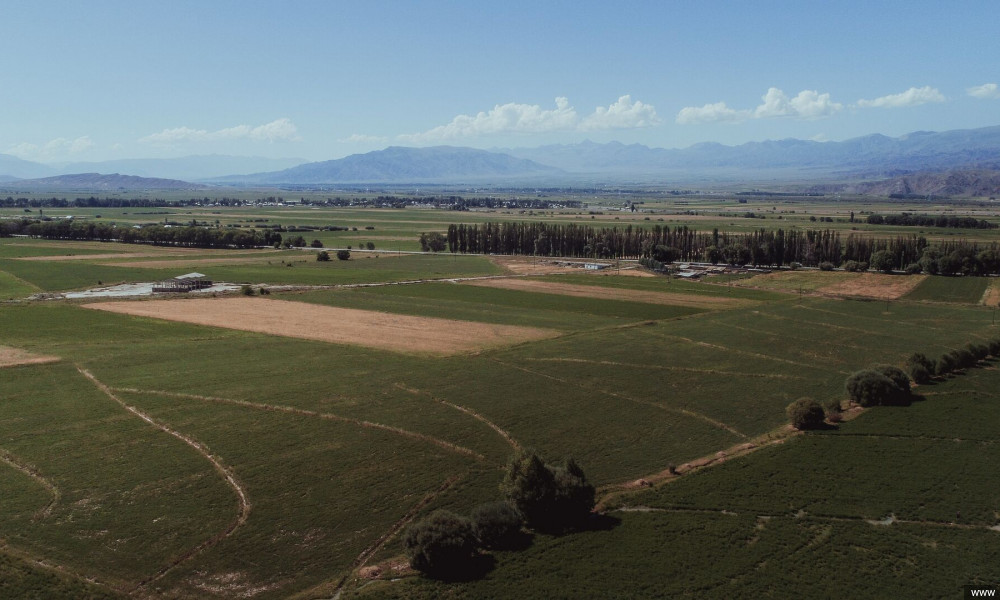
383, 539
43, 563
311, 413
735, 351
475, 415
244, 504
805, 516
35, 474
612, 363
683, 411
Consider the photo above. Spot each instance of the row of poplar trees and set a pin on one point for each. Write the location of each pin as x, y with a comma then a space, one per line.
759, 248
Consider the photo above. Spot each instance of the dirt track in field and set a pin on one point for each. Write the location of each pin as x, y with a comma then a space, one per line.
992, 295
386, 331
12, 357
874, 285
607, 293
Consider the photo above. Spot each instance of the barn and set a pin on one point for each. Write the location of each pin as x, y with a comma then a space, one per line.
184, 283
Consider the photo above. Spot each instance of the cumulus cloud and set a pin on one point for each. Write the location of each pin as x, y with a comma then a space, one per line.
711, 113
987, 91
807, 104
623, 114
532, 118
52, 149
911, 97
280, 130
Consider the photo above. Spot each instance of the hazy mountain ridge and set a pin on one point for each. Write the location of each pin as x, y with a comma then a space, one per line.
400, 164
913, 151
974, 183
99, 182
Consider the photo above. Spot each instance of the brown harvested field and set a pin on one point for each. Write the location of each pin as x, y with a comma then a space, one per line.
608, 293
524, 265
12, 357
385, 331
874, 285
992, 295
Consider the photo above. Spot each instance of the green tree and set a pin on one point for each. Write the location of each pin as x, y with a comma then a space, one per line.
441, 544
496, 525
550, 497
883, 261
322, 256
343, 254
805, 413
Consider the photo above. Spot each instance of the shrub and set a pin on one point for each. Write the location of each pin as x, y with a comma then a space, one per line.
246, 290
370, 245
921, 368
316, 244
826, 266
896, 375
913, 269
551, 498
882, 260
496, 525
978, 351
854, 266
440, 544
343, 254
805, 413
322, 256
946, 364
994, 347
794, 266
871, 388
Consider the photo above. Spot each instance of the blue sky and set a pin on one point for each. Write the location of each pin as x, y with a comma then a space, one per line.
99, 80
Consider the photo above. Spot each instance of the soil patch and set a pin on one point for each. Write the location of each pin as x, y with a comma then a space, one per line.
607, 293
525, 265
12, 357
874, 285
386, 331
992, 295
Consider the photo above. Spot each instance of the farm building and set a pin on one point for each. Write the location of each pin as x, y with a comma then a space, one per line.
184, 283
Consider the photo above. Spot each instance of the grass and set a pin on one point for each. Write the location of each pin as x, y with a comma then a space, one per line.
737, 529
296, 268
335, 444
965, 290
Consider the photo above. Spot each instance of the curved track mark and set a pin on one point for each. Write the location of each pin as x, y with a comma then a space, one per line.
227, 474
475, 415
681, 411
311, 413
32, 472
612, 363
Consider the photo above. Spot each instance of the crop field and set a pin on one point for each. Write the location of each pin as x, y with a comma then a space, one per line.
145, 455
966, 290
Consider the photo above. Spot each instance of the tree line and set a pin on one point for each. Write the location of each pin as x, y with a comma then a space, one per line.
908, 219
758, 248
195, 237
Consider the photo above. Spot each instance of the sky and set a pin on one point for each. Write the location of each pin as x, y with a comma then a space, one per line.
101, 80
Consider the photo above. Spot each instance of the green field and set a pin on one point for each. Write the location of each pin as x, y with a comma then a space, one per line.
966, 290
128, 461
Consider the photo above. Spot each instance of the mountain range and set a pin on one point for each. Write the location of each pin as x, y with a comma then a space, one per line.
868, 157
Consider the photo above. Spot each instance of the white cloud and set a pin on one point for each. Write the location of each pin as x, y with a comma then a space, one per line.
807, 104
987, 91
360, 138
280, 130
911, 97
532, 118
711, 113
59, 147
623, 114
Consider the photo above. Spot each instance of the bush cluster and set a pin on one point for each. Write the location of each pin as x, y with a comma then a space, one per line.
545, 497
881, 385
805, 413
